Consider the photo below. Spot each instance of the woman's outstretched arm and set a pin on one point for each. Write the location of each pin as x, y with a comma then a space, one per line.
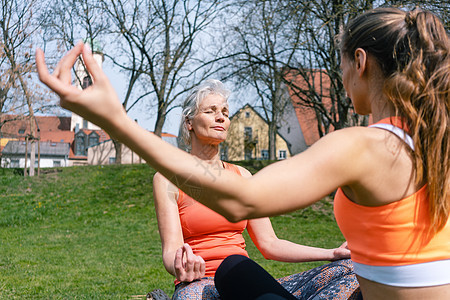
281, 187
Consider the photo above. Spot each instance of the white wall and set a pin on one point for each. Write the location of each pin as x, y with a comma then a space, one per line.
44, 162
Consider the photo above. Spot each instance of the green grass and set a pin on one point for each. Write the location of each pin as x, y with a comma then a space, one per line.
91, 233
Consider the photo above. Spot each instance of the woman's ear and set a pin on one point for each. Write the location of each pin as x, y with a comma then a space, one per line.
188, 124
360, 60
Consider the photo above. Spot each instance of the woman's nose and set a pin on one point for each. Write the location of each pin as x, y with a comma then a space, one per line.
220, 117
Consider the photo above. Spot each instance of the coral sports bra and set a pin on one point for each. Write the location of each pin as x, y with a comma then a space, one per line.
391, 244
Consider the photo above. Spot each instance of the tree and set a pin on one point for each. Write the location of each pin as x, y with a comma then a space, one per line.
18, 93
154, 43
159, 47
439, 7
315, 78
68, 21
267, 38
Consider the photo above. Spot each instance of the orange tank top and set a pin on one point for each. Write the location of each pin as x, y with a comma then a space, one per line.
395, 234
391, 235
208, 233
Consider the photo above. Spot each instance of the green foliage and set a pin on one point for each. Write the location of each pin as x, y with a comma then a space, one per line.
91, 233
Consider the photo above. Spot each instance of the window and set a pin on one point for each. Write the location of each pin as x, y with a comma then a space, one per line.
264, 154
248, 132
112, 160
21, 131
93, 138
15, 163
247, 114
87, 81
85, 124
57, 163
80, 143
282, 154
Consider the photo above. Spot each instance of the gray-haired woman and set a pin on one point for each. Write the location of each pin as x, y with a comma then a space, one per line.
195, 239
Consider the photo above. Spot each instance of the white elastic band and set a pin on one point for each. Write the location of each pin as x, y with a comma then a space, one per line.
397, 131
417, 275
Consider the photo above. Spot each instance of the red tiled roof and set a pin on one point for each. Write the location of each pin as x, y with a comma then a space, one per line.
103, 136
57, 136
45, 124
52, 128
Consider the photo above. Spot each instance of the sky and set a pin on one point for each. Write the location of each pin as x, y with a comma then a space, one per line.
145, 116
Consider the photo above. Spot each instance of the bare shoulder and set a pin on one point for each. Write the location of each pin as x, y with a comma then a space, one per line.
347, 153
162, 184
158, 179
377, 160
351, 141
349, 134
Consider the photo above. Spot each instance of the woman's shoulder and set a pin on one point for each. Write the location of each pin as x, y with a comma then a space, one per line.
351, 139
244, 172
159, 178
159, 182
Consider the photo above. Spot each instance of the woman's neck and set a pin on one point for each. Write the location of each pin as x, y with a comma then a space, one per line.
206, 152
381, 109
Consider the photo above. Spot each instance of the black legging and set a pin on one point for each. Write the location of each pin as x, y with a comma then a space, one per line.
238, 277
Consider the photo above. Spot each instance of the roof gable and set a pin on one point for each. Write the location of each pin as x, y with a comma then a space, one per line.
243, 109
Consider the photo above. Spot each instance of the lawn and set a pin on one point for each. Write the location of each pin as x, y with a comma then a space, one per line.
91, 233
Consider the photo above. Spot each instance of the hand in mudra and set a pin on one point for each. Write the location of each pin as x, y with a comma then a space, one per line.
98, 103
188, 266
342, 252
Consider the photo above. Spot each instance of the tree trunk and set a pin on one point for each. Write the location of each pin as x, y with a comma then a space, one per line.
25, 172
272, 140
118, 147
32, 156
161, 118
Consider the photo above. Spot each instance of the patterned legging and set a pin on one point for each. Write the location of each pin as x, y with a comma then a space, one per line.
240, 278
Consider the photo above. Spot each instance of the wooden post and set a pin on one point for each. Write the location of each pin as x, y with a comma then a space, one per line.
39, 156
26, 156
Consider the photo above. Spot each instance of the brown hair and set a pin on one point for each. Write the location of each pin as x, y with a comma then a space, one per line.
412, 49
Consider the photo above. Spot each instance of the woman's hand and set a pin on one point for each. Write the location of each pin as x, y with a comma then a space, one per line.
188, 266
342, 252
98, 103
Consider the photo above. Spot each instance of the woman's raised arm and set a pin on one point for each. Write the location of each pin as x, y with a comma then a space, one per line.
284, 186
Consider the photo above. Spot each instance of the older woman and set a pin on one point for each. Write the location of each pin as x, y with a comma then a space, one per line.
195, 239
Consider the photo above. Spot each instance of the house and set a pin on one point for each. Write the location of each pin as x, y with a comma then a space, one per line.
52, 134
84, 145
315, 89
50, 130
104, 152
248, 138
50, 154
83, 139
289, 128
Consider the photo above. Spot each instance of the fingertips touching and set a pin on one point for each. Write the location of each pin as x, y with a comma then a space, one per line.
91, 65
